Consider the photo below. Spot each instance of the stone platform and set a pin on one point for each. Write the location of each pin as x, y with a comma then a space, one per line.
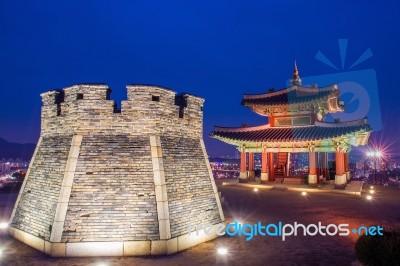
352, 188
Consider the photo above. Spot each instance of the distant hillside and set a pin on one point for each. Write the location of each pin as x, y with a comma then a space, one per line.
16, 150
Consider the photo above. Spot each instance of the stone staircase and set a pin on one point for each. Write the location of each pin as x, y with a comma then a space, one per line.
280, 167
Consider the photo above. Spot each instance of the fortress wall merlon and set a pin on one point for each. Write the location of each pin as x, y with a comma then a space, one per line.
50, 97
147, 92
194, 106
142, 96
87, 92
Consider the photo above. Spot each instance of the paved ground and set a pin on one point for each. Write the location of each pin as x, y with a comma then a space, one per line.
249, 207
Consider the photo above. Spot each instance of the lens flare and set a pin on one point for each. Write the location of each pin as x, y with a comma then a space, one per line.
222, 251
3, 225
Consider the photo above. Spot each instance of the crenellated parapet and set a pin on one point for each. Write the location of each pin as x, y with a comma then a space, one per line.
148, 109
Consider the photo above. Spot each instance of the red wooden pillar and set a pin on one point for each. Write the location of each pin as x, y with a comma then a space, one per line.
288, 162
312, 169
243, 170
251, 176
346, 166
271, 176
324, 164
264, 167
340, 177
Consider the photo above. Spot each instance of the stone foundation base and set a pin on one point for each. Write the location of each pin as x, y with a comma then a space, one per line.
243, 177
122, 248
251, 176
340, 181
312, 180
347, 177
264, 178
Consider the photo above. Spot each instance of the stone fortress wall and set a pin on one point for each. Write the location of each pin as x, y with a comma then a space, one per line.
108, 182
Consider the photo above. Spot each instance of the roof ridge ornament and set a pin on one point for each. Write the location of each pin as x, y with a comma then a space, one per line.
296, 80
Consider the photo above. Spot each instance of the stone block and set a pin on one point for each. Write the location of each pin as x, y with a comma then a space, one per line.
61, 211
65, 194
94, 249
137, 248
312, 180
28, 239
57, 231
172, 245
264, 177
161, 193
58, 249
157, 164
159, 178
162, 210
164, 228
74, 152
159, 247
155, 141
156, 151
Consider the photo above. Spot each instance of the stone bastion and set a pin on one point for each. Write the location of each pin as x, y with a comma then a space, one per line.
105, 181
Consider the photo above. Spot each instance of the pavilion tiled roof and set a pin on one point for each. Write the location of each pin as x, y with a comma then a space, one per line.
319, 131
291, 95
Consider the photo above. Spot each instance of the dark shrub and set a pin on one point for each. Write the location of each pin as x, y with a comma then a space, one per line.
379, 250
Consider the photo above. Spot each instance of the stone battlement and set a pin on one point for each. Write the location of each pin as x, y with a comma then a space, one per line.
148, 109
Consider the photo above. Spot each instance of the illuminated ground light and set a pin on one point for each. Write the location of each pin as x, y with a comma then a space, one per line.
255, 189
371, 191
222, 251
3, 225
371, 187
369, 197
304, 193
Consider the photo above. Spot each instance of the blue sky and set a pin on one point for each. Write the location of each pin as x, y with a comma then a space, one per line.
215, 49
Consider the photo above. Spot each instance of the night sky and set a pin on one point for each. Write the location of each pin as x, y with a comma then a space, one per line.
218, 50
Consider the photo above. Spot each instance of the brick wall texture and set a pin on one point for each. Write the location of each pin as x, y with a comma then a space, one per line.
36, 209
112, 196
188, 185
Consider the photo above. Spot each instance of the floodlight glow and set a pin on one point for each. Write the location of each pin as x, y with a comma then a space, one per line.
369, 197
378, 154
370, 153
3, 225
255, 189
304, 193
371, 191
222, 251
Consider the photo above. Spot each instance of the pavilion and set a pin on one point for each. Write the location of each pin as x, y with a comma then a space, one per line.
296, 124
